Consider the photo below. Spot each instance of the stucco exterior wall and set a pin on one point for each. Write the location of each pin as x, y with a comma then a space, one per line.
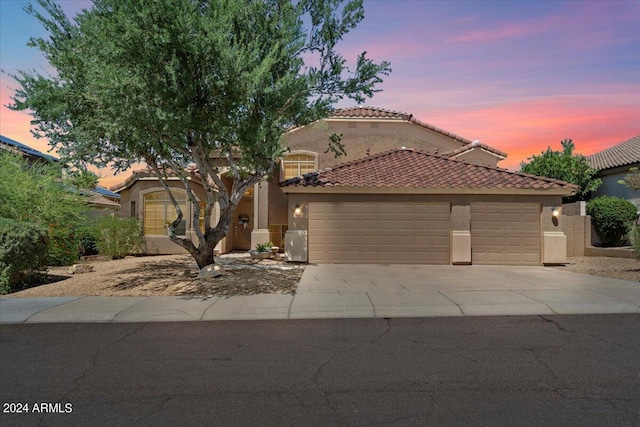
135, 193
362, 137
610, 186
479, 157
278, 204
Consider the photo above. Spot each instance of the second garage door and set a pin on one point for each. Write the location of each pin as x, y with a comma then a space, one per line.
388, 233
505, 233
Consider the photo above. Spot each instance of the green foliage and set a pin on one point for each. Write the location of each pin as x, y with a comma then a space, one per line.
632, 179
171, 82
84, 179
87, 240
23, 253
633, 235
37, 194
610, 217
263, 247
119, 237
565, 166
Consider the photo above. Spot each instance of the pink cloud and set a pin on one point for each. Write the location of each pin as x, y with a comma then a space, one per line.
528, 127
506, 31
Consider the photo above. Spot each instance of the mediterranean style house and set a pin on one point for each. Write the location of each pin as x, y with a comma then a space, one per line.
405, 192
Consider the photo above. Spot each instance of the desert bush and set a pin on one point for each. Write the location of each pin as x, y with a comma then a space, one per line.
610, 217
38, 194
88, 240
633, 235
118, 237
23, 253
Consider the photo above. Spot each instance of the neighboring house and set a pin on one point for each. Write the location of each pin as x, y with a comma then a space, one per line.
441, 201
613, 164
31, 154
101, 199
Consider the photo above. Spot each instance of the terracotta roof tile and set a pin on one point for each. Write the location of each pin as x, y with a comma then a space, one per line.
380, 113
408, 168
369, 112
625, 153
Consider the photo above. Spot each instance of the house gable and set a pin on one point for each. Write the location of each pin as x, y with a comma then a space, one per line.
368, 131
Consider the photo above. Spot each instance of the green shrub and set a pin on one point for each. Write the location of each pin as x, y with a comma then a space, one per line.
37, 193
118, 237
263, 247
63, 247
634, 238
23, 253
88, 241
610, 217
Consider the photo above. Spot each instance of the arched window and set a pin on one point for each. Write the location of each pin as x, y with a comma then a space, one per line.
298, 164
159, 213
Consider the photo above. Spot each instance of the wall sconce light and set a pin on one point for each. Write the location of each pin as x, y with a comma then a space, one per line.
297, 210
555, 212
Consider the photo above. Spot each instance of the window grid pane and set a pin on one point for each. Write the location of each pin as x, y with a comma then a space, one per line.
159, 211
297, 165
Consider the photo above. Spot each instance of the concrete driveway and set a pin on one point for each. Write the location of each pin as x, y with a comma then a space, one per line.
426, 290
349, 291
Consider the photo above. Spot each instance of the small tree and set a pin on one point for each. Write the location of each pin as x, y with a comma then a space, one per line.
632, 179
566, 166
215, 83
36, 193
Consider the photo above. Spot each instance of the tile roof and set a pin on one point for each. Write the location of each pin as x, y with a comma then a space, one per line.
369, 112
25, 149
625, 153
135, 175
474, 144
380, 113
408, 168
149, 174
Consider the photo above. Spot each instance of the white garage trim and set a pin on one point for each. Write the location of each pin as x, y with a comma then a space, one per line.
378, 232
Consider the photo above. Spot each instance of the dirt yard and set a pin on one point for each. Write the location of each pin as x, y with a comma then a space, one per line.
616, 268
177, 275
170, 275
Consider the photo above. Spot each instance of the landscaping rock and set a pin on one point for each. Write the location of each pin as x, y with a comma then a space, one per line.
210, 271
81, 268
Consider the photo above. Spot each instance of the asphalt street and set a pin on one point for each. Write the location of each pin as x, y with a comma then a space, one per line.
547, 370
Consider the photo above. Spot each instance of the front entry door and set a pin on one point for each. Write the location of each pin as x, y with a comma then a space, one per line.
242, 234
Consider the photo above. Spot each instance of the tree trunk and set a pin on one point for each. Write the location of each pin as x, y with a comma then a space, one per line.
205, 255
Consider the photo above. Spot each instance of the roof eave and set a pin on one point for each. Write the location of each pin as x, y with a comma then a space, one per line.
435, 190
127, 184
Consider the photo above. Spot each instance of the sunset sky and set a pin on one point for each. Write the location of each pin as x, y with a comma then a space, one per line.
516, 75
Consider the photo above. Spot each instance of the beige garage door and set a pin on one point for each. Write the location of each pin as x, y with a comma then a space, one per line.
505, 233
387, 233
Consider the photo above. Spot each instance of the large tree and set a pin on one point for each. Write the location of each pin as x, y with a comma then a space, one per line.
215, 83
566, 166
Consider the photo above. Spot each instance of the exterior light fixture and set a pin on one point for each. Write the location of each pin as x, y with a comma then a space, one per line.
297, 210
555, 212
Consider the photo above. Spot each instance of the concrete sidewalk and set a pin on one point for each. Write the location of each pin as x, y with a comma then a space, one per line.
348, 291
